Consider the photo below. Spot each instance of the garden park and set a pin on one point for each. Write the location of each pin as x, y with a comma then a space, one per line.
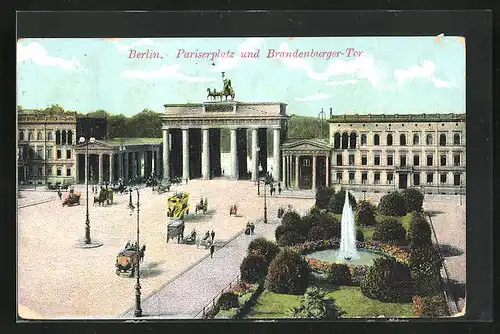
395, 274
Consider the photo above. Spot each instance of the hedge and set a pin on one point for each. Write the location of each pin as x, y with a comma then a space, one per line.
390, 231
288, 273
392, 204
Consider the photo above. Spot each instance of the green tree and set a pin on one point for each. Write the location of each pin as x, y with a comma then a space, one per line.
323, 195
118, 126
146, 124
98, 114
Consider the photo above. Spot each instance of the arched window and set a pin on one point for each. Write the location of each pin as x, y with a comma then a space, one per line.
30, 135
21, 135
63, 139
336, 141
70, 137
39, 135
49, 136
389, 139
376, 139
345, 140
442, 139
416, 139
58, 137
363, 139
402, 140
428, 139
352, 140
456, 139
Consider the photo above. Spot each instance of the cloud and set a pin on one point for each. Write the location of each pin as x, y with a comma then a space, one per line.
344, 82
165, 72
249, 45
127, 47
362, 67
319, 96
38, 55
426, 71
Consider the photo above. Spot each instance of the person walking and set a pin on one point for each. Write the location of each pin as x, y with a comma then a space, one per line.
252, 228
59, 193
279, 188
213, 236
212, 249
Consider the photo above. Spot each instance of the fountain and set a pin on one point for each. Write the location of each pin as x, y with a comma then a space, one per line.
347, 232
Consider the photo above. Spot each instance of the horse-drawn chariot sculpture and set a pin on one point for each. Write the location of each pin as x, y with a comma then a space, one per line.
106, 196
202, 206
72, 199
127, 259
233, 210
227, 90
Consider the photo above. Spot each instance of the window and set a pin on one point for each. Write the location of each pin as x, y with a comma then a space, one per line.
336, 141
428, 139
443, 159
456, 139
390, 160
402, 140
363, 139
390, 178
58, 137
49, 153
376, 140
443, 178
402, 160
416, 160
416, 139
49, 171
59, 154
416, 179
339, 159
59, 172
429, 159
352, 140
21, 135
339, 177
376, 179
30, 135
39, 135
376, 159
364, 177
68, 172
49, 136
345, 140
442, 139
456, 159
364, 160
39, 153
70, 137
40, 171
351, 159
389, 139
351, 177
68, 154
430, 178
456, 179
306, 162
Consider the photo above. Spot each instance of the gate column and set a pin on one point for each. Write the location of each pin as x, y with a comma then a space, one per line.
234, 155
166, 155
185, 154
205, 157
255, 156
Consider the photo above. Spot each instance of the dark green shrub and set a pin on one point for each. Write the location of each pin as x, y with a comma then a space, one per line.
414, 199
336, 203
327, 223
358, 273
323, 195
430, 307
390, 231
392, 204
317, 233
419, 233
288, 273
425, 265
365, 213
290, 238
314, 305
264, 248
294, 220
253, 268
360, 236
388, 281
282, 229
228, 300
339, 274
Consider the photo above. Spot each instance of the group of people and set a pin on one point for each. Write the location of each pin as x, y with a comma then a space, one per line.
250, 228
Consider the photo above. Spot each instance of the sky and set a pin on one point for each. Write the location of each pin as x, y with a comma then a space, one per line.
351, 75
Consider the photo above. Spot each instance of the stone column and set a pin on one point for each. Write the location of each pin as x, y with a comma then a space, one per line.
205, 156
255, 155
143, 163
100, 169
185, 154
77, 174
297, 171
157, 162
276, 154
153, 162
111, 167
314, 173
283, 171
327, 166
125, 162
234, 155
120, 165
166, 155
289, 174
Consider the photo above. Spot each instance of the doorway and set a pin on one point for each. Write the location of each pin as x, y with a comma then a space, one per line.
403, 181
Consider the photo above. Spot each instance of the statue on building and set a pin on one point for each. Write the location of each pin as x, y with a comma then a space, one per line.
227, 90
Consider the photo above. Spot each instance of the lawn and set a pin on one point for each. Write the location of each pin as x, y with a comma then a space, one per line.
349, 299
369, 230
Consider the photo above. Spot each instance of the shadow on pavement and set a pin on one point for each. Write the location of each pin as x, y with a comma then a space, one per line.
151, 269
433, 213
449, 250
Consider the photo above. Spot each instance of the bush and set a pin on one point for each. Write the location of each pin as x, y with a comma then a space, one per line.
358, 273
288, 273
264, 248
323, 195
282, 229
390, 231
294, 220
388, 281
253, 268
430, 307
325, 225
336, 203
290, 238
419, 233
414, 199
392, 204
314, 305
425, 265
228, 300
360, 236
339, 274
365, 213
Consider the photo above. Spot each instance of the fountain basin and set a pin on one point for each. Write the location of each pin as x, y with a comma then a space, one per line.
364, 257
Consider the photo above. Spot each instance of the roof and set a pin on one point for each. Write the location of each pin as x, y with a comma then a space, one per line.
132, 141
396, 118
307, 144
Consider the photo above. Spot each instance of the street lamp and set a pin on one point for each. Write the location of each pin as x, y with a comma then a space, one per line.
267, 180
258, 180
87, 242
138, 310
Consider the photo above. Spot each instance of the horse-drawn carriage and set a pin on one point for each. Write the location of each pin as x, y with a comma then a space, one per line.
127, 259
72, 199
151, 182
120, 188
175, 228
233, 210
106, 196
202, 206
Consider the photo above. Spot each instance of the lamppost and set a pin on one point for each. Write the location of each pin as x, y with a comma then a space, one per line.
460, 193
130, 205
138, 310
258, 180
87, 242
267, 180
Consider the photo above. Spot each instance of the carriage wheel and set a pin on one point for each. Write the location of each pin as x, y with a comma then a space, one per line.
118, 272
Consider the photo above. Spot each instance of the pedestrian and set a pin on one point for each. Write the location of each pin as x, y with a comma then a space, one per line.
213, 235
279, 189
252, 227
212, 249
59, 193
